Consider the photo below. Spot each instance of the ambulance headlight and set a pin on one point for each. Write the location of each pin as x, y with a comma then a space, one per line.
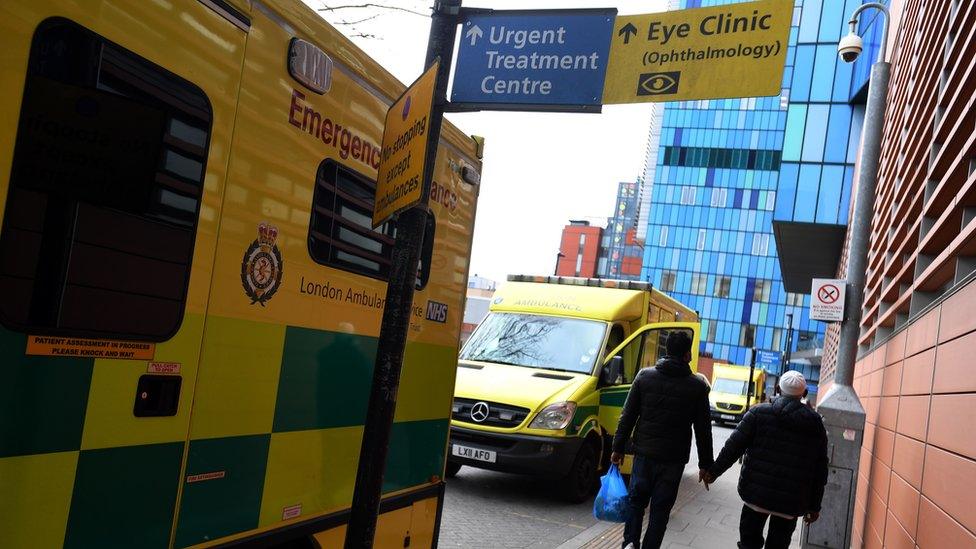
555, 416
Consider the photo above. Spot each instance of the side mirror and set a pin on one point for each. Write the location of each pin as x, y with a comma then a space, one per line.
612, 371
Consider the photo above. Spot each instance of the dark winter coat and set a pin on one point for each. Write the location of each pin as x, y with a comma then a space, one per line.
664, 403
785, 466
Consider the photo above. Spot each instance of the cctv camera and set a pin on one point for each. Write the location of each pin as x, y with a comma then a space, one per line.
850, 47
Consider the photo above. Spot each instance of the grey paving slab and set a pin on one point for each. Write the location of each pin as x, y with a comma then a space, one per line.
483, 509
486, 510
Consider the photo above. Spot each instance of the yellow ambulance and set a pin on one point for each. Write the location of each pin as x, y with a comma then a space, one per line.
542, 380
191, 287
730, 388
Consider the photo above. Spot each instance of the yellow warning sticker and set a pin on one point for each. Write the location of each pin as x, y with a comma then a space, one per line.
291, 511
165, 368
205, 476
400, 177
90, 348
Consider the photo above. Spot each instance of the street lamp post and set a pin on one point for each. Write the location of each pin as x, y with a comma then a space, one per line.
559, 255
841, 409
788, 354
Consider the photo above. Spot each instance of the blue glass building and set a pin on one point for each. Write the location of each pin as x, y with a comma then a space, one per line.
726, 168
620, 257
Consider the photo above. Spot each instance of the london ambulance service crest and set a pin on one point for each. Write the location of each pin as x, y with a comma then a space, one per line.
262, 266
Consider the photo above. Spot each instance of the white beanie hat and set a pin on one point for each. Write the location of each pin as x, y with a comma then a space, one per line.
792, 383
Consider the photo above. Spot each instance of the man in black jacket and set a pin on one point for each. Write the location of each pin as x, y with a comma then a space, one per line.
785, 467
664, 402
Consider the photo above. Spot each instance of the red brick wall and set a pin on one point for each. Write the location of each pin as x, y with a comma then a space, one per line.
569, 248
631, 265
916, 486
917, 478
705, 366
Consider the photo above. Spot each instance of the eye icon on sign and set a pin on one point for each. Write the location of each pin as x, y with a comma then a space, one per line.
658, 83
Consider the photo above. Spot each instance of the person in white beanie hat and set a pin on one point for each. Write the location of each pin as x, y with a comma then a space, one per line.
792, 384
785, 467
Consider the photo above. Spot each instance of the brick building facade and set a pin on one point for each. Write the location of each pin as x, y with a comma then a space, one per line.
579, 247
917, 480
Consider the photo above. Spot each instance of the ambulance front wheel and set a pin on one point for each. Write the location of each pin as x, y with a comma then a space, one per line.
584, 477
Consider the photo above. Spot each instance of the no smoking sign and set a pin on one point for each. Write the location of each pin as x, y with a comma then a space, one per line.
828, 293
827, 299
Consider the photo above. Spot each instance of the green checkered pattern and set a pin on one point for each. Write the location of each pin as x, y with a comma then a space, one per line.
301, 401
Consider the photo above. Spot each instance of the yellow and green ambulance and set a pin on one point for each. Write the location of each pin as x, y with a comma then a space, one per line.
542, 380
730, 389
192, 289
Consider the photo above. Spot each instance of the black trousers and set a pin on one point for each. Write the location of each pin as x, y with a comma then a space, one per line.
653, 482
751, 527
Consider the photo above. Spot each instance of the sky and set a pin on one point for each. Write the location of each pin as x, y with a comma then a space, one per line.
540, 169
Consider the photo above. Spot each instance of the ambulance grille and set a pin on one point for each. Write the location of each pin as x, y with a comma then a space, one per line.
499, 415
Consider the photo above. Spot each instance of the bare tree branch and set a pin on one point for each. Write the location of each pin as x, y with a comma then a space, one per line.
371, 5
358, 21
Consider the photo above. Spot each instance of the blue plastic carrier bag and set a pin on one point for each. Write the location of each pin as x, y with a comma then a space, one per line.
612, 503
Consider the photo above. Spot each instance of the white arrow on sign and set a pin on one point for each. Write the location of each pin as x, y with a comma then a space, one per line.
474, 33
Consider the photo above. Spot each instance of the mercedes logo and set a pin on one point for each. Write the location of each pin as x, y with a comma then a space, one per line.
479, 412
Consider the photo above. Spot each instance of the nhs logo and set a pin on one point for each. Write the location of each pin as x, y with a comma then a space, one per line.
437, 311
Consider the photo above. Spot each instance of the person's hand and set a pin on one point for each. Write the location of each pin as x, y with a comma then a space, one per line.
811, 517
705, 477
616, 458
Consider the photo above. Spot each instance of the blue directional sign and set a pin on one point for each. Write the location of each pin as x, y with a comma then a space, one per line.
768, 360
545, 60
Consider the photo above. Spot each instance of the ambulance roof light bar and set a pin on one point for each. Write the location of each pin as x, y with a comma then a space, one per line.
581, 281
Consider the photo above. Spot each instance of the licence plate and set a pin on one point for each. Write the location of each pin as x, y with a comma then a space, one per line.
473, 453
726, 416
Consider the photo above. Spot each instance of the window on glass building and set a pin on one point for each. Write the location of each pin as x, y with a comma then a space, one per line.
688, 195
663, 241
701, 239
723, 286
777, 339
760, 244
712, 330
719, 198
794, 300
762, 290
747, 335
699, 283
668, 279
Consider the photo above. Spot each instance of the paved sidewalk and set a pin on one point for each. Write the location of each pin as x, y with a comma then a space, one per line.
701, 519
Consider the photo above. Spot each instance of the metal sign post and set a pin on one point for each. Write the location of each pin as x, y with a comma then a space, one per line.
411, 225
750, 385
789, 344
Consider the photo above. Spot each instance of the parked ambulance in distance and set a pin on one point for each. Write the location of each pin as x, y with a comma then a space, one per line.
541, 382
730, 389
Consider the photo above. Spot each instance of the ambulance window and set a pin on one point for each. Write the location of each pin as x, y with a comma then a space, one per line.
655, 345
615, 338
105, 190
340, 232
